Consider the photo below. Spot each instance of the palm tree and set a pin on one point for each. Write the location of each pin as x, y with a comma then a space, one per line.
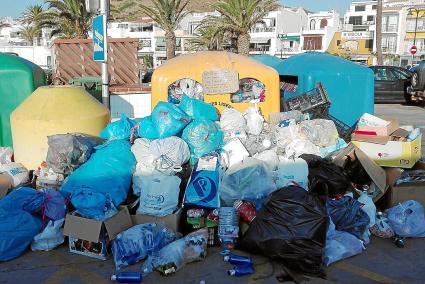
32, 15
240, 16
168, 15
30, 33
379, 56
67, 18
208, 36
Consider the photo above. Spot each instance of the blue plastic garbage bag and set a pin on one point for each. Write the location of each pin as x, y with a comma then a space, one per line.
203, 136
340, 245
50, 201
407, 219
348, 216
108, 171
120, 129
146, 129
17, 229
168, 119
20, 198
198, 109
93, 205
140, 241
202, 189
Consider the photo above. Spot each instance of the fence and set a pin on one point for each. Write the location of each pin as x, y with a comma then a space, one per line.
74, 58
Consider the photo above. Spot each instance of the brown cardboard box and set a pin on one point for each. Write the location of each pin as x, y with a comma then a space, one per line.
90, 237
5, 184
172, 221
375, 172
381, 130
404, 191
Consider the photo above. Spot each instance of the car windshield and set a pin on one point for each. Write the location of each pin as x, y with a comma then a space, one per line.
402, 73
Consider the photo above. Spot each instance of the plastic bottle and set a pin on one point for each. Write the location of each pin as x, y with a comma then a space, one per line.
127, 277
228, 228
246, 210
238, 259
241, 270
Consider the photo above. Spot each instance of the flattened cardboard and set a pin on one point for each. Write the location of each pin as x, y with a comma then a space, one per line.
172, 221
5, 184
90, 230
220, 81
375, 172
370, 138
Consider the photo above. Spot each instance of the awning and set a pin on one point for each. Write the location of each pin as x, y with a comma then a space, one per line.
294, 38
259, 40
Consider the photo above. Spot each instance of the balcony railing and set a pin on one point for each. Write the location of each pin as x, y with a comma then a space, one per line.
389, 49
389, 28
412, 28
263, 48
263, 30
361, 23
162, 48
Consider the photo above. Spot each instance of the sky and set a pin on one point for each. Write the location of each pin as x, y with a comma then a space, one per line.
15, 7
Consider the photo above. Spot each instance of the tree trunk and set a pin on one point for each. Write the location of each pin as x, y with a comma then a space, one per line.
170, 44
379, 56
243, 44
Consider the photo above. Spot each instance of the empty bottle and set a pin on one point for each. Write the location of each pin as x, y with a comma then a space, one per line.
241, 270
127, 277
228, 228
238, 259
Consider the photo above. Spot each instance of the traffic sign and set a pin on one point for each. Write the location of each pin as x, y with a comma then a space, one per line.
99, 39
413, 49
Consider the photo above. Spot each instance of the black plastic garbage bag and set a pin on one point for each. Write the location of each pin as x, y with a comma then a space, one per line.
291, 228
348, 216
68, 151
324, 177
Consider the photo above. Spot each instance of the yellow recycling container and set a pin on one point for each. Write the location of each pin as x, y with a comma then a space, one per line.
185, 74
53, 110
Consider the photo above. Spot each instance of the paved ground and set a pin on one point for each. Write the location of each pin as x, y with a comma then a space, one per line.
382, 262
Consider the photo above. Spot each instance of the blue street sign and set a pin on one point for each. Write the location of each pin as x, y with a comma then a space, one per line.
99, 38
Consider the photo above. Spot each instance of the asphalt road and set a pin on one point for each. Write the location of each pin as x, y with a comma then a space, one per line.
381, 262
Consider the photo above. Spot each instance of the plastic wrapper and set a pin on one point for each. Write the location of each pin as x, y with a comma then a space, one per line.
250, 180
185, 86
269, 157
168, 119
17, 171
174, 256
254, 121
202, 136
50, 237
299, 147
340, 245
120, 129
232, 120
6, 154
291, 228
370, 209
348, 216
140, 241
68, 151
292, 172
198, 109
411, 176
250, 91
407, 219
321, 132
108, 172
159, 194
259, 143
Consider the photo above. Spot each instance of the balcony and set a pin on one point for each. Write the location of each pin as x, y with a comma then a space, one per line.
263, 30
389, 49
163, 49
411, 28
389, 28
360, 23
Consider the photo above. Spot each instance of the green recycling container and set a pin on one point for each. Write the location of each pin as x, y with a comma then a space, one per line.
18, 79
92, 84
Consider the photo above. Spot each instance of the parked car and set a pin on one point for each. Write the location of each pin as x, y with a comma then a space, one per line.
392, 84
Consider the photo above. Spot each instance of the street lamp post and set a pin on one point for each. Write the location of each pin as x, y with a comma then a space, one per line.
416, 28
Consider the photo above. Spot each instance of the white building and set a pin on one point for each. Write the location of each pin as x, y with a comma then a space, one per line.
320, 30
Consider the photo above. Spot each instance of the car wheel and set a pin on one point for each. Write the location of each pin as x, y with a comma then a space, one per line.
418, 80
407, 95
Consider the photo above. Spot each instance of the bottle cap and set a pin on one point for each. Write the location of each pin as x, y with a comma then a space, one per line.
231, 272
226, 258
113, 277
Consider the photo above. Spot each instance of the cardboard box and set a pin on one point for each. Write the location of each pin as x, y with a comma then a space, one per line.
375, 172
5, 184
91, 237
393, 153
405, 191
381, 130
172, 221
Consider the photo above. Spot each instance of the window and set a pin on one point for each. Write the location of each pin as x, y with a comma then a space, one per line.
323, 23
313, 24
122, 26
338, 42
374, 7
312, 43
369, 44
273, 22
384, 74
356, 20
49, 60
360, 8
291, 44
370, 18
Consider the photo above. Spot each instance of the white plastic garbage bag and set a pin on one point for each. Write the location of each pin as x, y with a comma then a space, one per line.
6, 154
292, 172
50, 237
298, 147
169, 154
235, 152
17, 171
269, 157
254, 121
232, 120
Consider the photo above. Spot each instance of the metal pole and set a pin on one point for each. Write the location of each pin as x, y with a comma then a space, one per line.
416, 28
105, 76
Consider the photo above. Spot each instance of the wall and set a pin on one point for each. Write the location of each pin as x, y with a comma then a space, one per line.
36, 54
355, 49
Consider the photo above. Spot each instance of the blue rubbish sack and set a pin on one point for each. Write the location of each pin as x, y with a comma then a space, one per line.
198, 109
203, 136
93, 205
17, 230
407, 219
159, 194
146, 129
251, 180
168, 119
140, 241
202, 189
348, 216
49, 201
108, 171
50, 237
340, 245
120, 129
20, 198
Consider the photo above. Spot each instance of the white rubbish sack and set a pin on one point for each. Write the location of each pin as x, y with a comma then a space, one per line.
170, 154
254, 121
292, 172
17, 171
6, 154
51, 237
298, 147
235, 152
232, 120
269, 157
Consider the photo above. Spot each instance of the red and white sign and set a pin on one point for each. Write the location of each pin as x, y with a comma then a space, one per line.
413, 49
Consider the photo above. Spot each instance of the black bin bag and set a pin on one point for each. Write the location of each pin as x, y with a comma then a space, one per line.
290, 228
